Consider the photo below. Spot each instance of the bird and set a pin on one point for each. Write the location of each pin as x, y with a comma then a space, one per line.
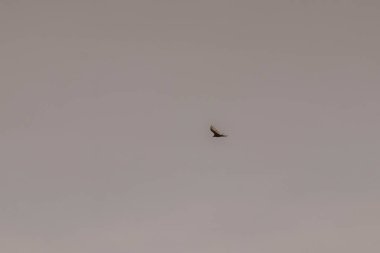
216, 132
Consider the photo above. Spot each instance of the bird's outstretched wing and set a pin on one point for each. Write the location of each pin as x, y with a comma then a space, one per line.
216, 132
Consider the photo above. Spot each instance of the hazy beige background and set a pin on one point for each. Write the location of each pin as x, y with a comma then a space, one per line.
104, 115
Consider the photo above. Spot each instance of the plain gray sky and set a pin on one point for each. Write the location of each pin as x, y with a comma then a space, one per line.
104, 114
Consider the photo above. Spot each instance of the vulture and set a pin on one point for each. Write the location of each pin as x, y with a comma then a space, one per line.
216, 132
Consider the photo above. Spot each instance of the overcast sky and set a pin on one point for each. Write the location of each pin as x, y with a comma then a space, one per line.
105, 109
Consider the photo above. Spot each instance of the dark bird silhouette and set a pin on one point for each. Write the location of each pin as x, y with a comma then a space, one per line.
216, 132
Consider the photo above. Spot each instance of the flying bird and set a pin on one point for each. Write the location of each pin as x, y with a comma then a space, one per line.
216, 132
